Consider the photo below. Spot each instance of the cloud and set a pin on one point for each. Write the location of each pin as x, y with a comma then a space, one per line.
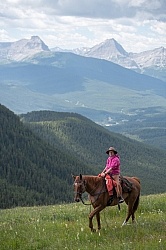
106, 9
109, 9
73, 23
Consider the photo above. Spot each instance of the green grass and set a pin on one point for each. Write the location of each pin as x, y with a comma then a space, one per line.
66, 227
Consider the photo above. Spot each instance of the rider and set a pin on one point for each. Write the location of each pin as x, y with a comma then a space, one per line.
113, 169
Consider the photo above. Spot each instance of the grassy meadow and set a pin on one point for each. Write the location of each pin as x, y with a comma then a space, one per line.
66, 227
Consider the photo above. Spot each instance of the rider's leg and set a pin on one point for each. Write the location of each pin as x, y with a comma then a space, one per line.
118, 188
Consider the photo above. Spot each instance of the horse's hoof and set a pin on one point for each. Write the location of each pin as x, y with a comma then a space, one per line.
124, 223
93, 230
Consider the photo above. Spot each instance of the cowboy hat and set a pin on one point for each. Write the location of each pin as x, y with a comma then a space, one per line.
111, 149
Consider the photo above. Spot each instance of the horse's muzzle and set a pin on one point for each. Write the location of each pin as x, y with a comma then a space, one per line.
77, 199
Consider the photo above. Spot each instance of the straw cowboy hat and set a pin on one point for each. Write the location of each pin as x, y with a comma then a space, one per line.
111, 149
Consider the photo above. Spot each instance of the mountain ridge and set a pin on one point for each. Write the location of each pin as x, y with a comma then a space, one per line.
141, 62
109, 50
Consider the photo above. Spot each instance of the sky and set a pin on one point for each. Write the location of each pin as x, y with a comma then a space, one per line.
138, 25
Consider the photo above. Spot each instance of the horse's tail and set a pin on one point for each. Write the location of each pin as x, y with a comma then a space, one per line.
136, 178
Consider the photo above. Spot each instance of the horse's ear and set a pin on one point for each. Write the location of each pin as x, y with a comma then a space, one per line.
73, 176
80, 176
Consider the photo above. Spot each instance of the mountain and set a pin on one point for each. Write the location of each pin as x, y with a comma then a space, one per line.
156, 57
105, 92
112, 51
65, 81
19, 50
40, 150
116, 97
152, 62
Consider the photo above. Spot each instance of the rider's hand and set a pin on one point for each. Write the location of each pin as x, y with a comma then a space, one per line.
102, 174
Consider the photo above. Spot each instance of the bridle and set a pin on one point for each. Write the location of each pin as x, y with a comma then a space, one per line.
82, 185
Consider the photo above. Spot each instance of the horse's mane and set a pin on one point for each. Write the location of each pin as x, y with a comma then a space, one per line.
92, 178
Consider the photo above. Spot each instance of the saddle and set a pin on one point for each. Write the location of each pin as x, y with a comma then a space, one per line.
111, 184
125, 184
111, 187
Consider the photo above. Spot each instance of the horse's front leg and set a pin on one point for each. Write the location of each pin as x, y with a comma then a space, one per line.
92, 214
98, 221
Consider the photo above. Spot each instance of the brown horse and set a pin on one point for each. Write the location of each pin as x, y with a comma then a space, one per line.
96, 188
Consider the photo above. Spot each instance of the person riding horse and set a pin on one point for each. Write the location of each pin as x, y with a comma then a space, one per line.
99, 197
112, 168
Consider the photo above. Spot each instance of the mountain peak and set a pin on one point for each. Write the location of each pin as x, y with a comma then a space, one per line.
36, 42
108, 50
35, 38
113, 44
110, 41
151, 58
111, 50
19, 50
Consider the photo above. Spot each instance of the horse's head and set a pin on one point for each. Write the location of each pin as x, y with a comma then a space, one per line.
79, 187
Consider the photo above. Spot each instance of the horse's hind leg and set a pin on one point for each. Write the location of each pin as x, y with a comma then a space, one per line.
130, 212
133, 217
132, 207
136, 203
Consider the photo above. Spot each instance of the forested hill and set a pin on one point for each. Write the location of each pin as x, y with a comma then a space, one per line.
31, 171
39, 153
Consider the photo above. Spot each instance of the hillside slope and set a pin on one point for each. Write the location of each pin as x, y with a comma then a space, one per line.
88, 141
31, 171
38, 157
65, 226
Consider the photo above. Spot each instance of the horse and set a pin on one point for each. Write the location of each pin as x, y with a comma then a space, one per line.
95, 186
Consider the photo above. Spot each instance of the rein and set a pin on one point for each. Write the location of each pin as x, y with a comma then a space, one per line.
86, 204
96, 194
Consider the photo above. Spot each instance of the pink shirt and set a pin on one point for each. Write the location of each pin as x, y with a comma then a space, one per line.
113, 163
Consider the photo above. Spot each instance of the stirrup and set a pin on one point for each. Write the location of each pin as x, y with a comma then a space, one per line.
120, 200
110, 200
